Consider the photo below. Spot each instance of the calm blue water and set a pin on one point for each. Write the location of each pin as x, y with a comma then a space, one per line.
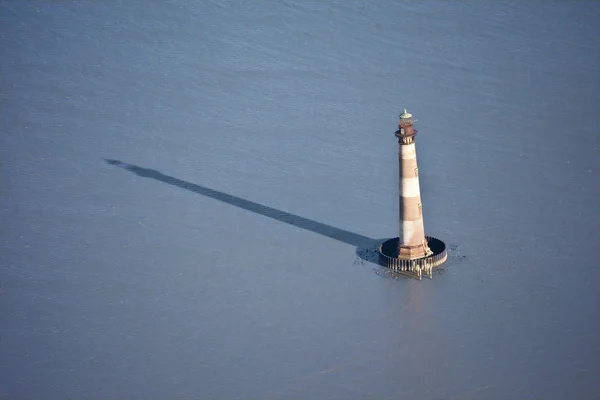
262, 135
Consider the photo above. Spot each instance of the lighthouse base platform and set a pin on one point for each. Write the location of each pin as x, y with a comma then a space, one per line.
388, 257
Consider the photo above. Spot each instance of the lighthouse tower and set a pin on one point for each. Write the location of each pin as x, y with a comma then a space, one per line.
412, 243
411, 252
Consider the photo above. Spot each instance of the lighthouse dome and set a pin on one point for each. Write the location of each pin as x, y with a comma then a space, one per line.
405, 115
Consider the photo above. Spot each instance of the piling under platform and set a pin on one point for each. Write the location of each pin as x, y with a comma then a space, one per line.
388, 257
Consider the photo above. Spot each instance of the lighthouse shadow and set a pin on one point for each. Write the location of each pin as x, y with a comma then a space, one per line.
368, 251
366, 248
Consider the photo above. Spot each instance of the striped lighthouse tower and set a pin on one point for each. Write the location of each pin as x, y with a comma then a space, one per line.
412, 244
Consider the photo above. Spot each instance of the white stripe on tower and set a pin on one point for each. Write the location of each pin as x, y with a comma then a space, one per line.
410, 187
408, 230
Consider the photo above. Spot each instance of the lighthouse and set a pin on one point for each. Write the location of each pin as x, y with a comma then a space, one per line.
412, 251
412, 243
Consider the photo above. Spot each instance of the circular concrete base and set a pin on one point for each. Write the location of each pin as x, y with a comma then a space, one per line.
388, 257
